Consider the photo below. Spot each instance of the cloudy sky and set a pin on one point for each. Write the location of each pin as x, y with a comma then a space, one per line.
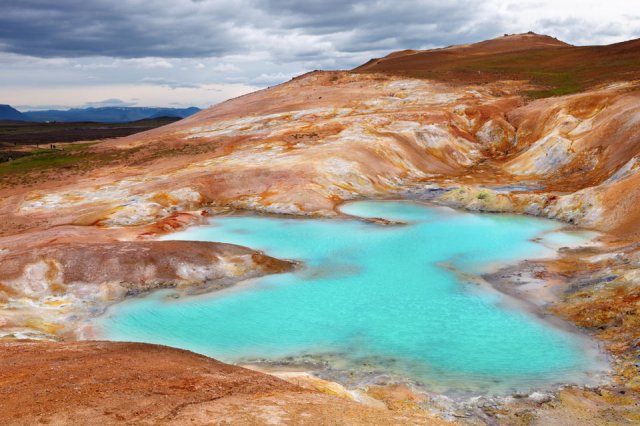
68, 53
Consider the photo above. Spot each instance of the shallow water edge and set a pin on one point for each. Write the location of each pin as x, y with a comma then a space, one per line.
336, 373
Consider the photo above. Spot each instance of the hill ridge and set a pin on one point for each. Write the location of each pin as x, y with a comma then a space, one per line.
556, 67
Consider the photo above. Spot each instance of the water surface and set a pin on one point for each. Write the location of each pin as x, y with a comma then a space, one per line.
393, 300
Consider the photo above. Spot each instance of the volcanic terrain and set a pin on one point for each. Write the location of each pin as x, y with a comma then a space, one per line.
522, 124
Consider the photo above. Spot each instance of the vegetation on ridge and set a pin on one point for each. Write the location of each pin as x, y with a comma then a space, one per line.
557, 69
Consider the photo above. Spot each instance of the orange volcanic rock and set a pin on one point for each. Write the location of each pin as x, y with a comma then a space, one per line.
560, 67
136, 263
132, 383
299, 148
48, 290
303, 147
413, 61
462, 126
585, 138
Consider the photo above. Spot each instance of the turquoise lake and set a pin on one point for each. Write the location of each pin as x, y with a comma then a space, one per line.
377, 301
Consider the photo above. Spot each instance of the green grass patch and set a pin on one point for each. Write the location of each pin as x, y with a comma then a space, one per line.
557, 91
555, 82
559, 83
70, 156
41, 160
554, 71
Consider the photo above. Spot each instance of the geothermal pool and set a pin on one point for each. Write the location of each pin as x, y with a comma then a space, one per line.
395, 302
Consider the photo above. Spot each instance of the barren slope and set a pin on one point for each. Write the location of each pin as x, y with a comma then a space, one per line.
131, 383
557, 66
469, 136
305, 146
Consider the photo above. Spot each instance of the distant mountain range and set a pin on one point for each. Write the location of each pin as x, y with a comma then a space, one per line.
101, 115
7, 112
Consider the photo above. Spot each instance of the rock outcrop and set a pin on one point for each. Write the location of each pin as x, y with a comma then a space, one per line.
474, 126
47, 291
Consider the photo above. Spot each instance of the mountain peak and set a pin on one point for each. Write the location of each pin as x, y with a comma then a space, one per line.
7, 112
502, 44
552, 65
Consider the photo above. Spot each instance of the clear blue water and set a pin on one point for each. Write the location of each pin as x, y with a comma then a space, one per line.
376, 298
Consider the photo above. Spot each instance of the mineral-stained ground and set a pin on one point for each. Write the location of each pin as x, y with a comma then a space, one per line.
522, 124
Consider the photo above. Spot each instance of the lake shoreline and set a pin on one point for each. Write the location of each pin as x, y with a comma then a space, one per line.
503, 287
461, 407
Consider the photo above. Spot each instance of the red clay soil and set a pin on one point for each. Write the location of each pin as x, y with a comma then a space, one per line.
133, 383
559, 67
301, 148
135, 262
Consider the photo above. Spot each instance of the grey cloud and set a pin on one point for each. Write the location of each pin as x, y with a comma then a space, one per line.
188, 28
126, 28
215, 28
181, 44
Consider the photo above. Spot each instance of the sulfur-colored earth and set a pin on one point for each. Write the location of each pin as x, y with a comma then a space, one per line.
470, 126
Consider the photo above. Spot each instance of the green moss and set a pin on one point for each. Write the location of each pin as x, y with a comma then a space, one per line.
558, 82
74, 156
558, 91
41, 159
562, 84
482, 195
555, 71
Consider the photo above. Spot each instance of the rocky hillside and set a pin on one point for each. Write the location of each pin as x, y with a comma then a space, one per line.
524, 124
133, 383
555, 67
306, 146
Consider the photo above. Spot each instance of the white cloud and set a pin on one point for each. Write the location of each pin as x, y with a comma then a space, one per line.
144, 63
169, 83
149, 62
223, 67
580, 22
13, 60
129, 94
275, 78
